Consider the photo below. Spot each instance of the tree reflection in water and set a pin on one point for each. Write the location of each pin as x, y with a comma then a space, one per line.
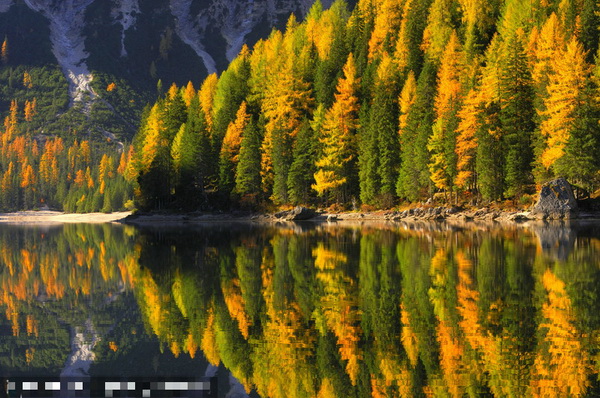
321, 310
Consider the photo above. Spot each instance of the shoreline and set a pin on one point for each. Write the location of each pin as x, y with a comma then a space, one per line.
420, 214
41, 217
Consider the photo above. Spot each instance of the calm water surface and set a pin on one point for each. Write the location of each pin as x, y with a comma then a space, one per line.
303, 311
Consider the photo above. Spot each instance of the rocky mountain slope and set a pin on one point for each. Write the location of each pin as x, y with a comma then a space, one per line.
131, 43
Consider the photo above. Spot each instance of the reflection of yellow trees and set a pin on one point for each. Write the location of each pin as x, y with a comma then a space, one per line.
496, 354
395, 372
562, 365
235, 304
29, 353
32, 326
327, 390
43, 265
209, 341
153, 302
409, 338
452, 350
191, 346
340, 305
285, 348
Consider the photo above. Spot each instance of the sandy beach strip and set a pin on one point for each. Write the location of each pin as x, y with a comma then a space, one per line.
48, 216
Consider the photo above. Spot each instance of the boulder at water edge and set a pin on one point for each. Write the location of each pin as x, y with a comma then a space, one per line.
556, 201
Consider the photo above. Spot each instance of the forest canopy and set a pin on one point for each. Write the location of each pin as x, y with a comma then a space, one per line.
395, 100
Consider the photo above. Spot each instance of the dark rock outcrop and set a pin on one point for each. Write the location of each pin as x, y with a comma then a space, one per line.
556, 201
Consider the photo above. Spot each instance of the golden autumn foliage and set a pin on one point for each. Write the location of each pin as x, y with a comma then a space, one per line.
406, 100
4, 51
207, 98
466, 140
233, 136
30, 109
387, 23
563, 368
570, 73
208, 343
27, 81
188, 93
338, 140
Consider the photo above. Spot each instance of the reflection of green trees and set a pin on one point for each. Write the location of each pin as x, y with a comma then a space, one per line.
320, 311
382, 312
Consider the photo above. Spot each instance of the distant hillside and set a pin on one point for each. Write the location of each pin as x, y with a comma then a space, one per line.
133, 44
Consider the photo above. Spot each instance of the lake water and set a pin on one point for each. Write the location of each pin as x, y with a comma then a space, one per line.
308, 310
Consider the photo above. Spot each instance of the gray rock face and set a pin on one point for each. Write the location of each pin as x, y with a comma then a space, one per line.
299, 213
556, 201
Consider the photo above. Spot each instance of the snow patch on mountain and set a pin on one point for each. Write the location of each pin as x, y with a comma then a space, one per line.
187, 30
5, 5
66, 33
126, 14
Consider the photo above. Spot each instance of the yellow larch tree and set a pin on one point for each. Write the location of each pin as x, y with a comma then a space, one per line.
338, 134
439, 28
544, 47
4, 51
105, 171
27, 176
85, 152
233, 137
188, 93
89, 181
10, 126
27, 81
153, 139
30, 109
406, 100
122, 163
287, 100
567, 82
387, 23
230, 149
206, 96
466, 140
449, 96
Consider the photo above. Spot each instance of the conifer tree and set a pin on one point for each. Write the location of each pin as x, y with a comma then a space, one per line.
413, 181
380, 148
386, 25
571, 136
4, 51
516, 116
230, 150
232, 89
300, 176
338, 141
408, 53
406, 101
441, 22
247, 176
466, 141
442, 142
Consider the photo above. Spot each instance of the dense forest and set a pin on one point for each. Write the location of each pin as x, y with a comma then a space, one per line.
41, 171
396, 100
58, 155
